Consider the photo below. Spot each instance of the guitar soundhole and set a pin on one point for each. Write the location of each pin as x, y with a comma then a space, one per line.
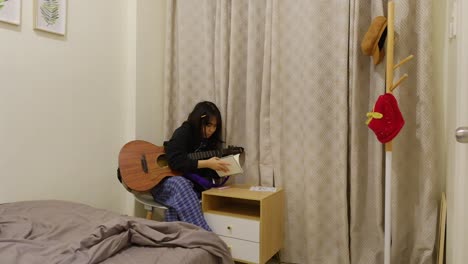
162, 161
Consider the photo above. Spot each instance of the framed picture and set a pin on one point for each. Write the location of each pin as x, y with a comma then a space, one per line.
10, 11
50, 16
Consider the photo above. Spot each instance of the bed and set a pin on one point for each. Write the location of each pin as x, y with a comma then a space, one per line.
66, 232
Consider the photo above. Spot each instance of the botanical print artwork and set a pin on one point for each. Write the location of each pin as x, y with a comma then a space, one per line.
50, 11
51, 16
10, 11
2, 3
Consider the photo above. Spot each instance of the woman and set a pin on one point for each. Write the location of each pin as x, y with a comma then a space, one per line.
201, 132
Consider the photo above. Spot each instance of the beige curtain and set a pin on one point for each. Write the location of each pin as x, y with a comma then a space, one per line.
293, 88
216, 51
309, 123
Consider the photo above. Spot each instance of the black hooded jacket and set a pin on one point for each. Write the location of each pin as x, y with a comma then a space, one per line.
183, 143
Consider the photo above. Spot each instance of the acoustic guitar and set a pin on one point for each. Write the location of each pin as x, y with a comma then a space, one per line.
143, 165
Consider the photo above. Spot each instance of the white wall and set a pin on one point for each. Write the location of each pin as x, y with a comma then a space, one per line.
445, 81
147, 21
150, 67
455, 243
68, 104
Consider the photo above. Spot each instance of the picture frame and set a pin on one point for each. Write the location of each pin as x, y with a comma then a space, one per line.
10, 11
51, 16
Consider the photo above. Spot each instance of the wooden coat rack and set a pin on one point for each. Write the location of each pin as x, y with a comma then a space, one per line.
389, 87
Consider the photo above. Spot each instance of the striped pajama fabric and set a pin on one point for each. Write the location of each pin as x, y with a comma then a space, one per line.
178, 195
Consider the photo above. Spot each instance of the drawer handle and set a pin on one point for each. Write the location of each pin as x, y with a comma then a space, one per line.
229, 228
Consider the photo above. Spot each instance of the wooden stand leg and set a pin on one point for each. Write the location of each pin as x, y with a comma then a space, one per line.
149, 215
388, 146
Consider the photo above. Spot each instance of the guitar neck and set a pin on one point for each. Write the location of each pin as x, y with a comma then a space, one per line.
205, 154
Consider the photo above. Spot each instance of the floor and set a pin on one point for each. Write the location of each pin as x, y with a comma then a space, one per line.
271, 261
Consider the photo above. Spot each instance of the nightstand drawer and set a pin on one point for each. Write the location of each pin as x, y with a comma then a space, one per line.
234, 227
243, 250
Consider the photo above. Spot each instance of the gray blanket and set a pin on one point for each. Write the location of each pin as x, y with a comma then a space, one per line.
64, 232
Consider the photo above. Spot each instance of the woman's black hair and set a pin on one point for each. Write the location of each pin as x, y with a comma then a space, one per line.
200, 117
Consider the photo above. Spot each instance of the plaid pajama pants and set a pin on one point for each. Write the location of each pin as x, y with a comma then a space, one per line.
178, 195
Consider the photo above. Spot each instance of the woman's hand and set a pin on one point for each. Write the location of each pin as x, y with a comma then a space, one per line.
214, 163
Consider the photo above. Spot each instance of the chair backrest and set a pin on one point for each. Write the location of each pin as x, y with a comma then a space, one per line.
144, 198
147, 199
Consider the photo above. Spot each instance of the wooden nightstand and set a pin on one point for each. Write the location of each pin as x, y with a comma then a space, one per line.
250, 222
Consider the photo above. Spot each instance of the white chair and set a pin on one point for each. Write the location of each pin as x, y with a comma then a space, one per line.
148, 203
144, 198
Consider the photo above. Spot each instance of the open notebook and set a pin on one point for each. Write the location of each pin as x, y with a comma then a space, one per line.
234, 167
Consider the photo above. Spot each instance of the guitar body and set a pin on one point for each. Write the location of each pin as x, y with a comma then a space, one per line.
143, 165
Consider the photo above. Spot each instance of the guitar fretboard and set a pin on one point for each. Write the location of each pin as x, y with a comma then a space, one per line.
205, 154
